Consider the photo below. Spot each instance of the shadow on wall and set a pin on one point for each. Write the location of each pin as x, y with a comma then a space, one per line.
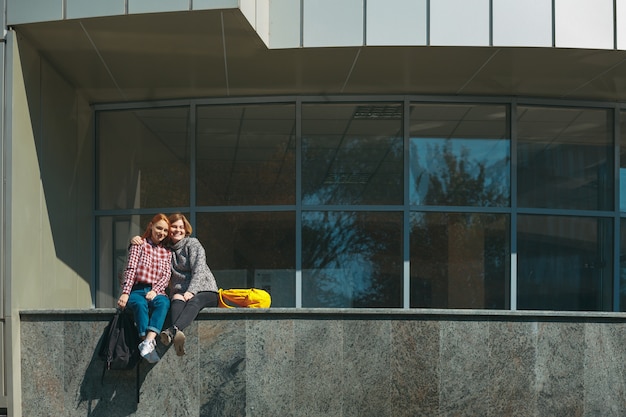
227, 387
110, 393
210, 380
60, 123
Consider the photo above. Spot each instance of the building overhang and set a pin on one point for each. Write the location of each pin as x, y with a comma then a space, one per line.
217, 53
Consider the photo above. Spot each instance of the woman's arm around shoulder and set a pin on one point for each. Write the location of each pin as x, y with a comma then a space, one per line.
136, 240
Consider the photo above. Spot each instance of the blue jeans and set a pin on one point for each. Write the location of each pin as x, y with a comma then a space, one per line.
149, 315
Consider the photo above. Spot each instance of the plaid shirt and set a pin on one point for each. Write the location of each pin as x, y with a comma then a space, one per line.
148, 264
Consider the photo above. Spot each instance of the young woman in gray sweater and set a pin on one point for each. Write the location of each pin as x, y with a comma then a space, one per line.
192, 284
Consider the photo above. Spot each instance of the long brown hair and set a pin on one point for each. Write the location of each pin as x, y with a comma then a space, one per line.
157, 218
179, 216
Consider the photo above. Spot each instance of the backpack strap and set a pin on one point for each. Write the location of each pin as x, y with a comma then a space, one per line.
105, 343
104, 369
138, 383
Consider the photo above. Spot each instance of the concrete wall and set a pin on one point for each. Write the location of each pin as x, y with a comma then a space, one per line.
47, 258
51, 191
336, 363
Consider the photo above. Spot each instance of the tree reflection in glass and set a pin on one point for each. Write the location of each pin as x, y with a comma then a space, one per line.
458, 172
352, 259
459, 155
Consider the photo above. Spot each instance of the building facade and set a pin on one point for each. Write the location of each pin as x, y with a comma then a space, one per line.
407, 154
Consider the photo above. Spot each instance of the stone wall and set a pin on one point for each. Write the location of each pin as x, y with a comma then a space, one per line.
336, 363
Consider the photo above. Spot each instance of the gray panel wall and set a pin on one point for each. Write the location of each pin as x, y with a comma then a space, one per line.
336, 363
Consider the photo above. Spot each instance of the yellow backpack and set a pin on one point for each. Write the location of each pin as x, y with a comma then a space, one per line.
244, 297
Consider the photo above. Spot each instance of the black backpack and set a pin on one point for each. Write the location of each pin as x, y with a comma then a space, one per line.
120, 345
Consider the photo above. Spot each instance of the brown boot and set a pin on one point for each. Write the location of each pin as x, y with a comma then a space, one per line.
179, 342
166, 336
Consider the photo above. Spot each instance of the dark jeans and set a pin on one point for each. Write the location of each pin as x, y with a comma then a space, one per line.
184, 312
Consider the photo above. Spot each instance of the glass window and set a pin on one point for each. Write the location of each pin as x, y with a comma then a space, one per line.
351, 259
622, 163
252, 250
246, 155
565, 158
352, 154
564, 263
460, 155
622, 266
353, 187
143, 158
460, 260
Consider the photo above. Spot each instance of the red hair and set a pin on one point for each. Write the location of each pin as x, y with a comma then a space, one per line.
148, 232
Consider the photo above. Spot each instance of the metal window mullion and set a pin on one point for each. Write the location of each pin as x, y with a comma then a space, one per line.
298, 202
364, 23
3, 173
192, 137
95, 272
617, 208
428, 22
428, 99
513, 221
615, 25
406, 232
553, 24
301, 24
490, 22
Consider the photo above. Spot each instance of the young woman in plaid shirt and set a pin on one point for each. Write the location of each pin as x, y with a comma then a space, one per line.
146, 277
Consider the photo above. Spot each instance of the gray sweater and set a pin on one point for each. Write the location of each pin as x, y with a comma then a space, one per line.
190, 271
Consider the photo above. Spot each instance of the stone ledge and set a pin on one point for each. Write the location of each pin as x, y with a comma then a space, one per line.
388, 313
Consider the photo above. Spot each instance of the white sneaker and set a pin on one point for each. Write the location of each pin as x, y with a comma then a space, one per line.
148, 352
153, 357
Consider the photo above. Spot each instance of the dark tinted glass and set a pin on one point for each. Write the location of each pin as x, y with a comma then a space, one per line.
622, 266
564, 263
352, 154
565, 158
143, 158
622, 162
252, 250
460, 260
246, 155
